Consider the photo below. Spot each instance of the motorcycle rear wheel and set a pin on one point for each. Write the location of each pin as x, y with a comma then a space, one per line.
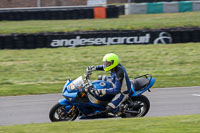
58, 113
141, 106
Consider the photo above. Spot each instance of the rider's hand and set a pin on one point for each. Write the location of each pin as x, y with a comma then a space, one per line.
99, 92
90, 69
87, 87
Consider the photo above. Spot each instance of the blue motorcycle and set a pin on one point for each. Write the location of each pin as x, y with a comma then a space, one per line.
79, 99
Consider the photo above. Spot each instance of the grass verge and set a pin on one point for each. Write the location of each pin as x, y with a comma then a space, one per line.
45, 70
125, 22
172, 124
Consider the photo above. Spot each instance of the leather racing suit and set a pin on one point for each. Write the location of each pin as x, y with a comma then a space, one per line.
121, 85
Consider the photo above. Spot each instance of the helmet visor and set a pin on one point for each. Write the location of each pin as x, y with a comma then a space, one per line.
106, 64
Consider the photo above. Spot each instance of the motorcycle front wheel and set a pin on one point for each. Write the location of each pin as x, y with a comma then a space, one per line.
136, 107
58, 113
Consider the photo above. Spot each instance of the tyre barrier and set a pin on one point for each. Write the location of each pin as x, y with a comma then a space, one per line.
55, 14
121, 9
98, 38
112, 12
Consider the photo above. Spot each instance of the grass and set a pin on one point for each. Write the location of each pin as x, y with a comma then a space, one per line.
45, 70
172, 124
125, 22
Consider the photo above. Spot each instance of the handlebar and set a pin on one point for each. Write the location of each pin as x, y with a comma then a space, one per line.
88, 84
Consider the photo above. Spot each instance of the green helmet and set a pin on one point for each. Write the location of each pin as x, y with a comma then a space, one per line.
110, 60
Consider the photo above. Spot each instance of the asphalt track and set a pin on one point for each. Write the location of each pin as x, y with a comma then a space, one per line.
35, 108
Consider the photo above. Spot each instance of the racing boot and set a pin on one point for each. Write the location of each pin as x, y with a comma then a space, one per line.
102, 114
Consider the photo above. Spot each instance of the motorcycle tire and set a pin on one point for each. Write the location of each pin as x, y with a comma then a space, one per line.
58, 113
141, 106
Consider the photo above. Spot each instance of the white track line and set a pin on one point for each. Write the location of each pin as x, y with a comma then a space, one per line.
198, 95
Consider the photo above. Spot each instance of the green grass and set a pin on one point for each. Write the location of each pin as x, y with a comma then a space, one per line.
172, 124
45, 70
125, 22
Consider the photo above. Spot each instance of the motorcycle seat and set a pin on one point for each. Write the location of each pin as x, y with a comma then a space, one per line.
140, 83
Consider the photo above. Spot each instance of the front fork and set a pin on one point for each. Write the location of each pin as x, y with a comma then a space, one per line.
71, 106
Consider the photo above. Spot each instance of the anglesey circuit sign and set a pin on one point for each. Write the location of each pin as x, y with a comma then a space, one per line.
98, 38
147, 38
78, 41
164, 38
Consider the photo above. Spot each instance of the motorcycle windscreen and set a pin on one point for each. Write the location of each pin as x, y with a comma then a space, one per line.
75, 84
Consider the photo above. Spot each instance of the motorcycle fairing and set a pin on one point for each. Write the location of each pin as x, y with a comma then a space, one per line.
66, 84
63, 102
70, 97
68, 94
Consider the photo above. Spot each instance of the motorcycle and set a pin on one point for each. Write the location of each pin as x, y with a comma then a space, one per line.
80, 100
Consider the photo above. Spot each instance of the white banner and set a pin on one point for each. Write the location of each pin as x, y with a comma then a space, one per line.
96, 2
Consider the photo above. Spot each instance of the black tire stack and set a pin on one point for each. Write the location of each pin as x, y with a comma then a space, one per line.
54, 13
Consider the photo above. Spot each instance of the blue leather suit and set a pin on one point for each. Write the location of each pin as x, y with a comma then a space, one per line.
121, 85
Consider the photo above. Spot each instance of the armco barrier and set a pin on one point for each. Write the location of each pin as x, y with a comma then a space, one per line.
55, 13
162, 7
97, 38
150, 1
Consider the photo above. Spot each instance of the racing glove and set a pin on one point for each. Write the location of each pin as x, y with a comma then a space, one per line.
90, 69
99, 92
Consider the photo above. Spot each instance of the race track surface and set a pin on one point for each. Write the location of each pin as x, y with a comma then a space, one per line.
35, 108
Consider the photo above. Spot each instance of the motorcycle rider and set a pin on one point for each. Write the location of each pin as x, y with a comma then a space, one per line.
121, 83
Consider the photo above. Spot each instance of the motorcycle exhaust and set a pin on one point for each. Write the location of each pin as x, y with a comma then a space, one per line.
132, 112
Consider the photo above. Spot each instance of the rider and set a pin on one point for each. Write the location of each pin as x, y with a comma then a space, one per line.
120, 80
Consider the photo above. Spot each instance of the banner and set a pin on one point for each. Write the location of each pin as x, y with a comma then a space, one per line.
154, 8
185, 6
162, 7
96, 2
98, 38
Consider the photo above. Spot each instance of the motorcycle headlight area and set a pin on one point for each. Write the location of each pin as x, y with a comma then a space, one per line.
73, 87
76, 84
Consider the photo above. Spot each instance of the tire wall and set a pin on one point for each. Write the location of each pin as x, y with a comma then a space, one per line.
55, 13
98, 38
